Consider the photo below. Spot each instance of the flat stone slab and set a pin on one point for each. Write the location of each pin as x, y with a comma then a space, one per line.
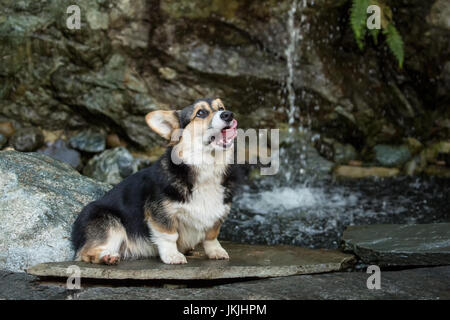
414, 284
400, 245
246, 261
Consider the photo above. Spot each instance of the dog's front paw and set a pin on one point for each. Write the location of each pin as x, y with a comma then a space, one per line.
173, 258
109, 258
217, 253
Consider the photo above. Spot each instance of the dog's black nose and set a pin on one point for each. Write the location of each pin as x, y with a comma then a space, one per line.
226, 116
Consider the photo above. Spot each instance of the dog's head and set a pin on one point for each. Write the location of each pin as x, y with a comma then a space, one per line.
203, 126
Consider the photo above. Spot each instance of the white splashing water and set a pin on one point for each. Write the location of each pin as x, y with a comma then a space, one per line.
282, 199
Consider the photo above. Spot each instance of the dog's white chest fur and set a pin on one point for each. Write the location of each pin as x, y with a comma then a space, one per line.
204, 208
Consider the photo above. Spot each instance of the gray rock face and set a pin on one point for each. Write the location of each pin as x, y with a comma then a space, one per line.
27, 139
39, 200
103, 74
440, 15
89, 141
400, 245
391, 156
111, 166
246, 261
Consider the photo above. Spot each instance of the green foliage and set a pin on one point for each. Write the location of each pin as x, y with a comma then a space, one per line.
358, 22
395, 43
358, 17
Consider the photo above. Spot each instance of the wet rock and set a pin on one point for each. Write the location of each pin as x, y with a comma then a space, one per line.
7, 129
111, 166
413, 166
21, 286
3, 141
344, 153
414, 145
440, 15
50, 136
432, 152
39, 199
145, 159
365, 172
391, 156
103, 74
298, 157
438, 171
411, 284
400, 245
97, 20
59, 151
415, 284
89, 141
27, 139
114, 141
246, 261
333, 150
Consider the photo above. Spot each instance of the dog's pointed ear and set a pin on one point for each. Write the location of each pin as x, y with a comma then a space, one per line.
163, 122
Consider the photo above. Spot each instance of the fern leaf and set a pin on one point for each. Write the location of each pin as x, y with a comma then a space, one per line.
358, 16
375, 33
395, 43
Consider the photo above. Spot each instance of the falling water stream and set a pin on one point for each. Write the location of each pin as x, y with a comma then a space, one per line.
290, 53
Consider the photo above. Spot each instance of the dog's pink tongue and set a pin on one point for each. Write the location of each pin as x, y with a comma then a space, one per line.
230, 133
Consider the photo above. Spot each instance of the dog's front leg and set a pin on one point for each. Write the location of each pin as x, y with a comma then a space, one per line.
164, 235
167, 248
212, 246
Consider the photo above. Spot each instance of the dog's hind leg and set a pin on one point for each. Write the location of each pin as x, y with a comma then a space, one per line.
105, 241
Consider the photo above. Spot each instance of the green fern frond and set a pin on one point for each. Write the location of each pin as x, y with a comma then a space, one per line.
375, 33
358, 16
395, 43
358, 22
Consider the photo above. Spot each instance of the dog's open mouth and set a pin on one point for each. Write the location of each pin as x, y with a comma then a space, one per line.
226, 136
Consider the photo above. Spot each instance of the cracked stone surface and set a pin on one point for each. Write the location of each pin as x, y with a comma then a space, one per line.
246, 261
400, 245
419, 283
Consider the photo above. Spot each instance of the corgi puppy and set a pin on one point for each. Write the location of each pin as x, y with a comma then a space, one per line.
180, 201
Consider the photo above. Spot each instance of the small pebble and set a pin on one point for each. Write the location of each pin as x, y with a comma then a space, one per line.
89, 141
27, 139
7, 129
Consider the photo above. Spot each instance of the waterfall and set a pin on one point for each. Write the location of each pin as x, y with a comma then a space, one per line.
295, 159
290, 53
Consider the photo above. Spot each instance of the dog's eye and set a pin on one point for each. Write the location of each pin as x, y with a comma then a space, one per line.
221, 109
202, 113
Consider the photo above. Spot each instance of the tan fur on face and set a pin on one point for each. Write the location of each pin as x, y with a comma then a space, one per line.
200, 105
217, 104
192, 143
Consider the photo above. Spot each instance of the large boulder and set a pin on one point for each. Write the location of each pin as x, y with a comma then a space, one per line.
39, 199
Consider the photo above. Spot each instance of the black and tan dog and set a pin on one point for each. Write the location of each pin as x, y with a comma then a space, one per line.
177, 203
